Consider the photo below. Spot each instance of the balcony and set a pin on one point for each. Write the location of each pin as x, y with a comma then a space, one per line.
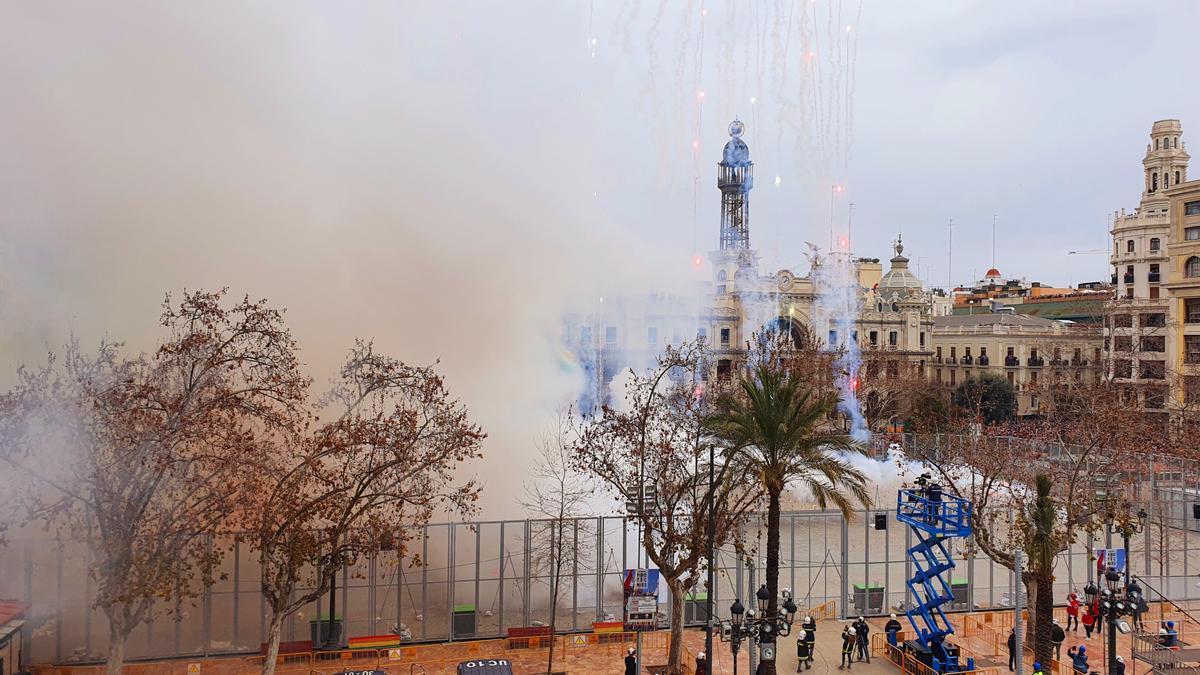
1079, 363
968, 360
1058, 361
937, 359
1035, 362
1154, 277
1128, 278
1114, 280
983, 360
1011, 362
952, 361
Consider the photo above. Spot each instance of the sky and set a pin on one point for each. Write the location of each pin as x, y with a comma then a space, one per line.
448, 178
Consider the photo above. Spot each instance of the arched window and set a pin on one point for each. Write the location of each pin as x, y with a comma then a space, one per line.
895, 307
1191, 268
1166, 180
1177, 146
1156, 144
722, 276
1177, 180
1154, 243
880, 306
1129, 246
1154, 182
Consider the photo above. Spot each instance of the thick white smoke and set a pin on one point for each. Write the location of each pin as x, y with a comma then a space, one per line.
839, 303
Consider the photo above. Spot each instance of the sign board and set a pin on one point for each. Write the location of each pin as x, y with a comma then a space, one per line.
394, 655
579, 640
193, 668
485, 667
641, 599
1110, 557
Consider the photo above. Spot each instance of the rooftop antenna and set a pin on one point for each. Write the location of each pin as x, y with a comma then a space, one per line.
849, 228
993, 241
950, 259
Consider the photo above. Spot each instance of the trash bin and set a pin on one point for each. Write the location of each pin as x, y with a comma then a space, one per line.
464, 621
695, 609
320, 631
868, 599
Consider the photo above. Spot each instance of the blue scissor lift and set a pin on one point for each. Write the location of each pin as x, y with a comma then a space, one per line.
934, 518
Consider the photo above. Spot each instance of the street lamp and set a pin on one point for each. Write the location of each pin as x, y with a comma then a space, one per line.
1114, 606
1128, 527
760, 628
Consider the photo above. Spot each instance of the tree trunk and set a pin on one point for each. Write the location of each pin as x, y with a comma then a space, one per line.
273, 635
117, 635
1043, 616
773, 508
675, 655
555, 584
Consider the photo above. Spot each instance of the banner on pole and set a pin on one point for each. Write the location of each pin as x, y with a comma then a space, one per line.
1110, 557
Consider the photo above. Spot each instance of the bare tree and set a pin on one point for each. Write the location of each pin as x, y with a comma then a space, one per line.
154, 443
557, 493
370, 477
656, 440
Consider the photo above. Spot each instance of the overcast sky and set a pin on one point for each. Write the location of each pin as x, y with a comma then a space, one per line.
447, 177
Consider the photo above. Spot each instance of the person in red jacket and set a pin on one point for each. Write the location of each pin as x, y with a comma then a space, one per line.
1089, 621
1073, 612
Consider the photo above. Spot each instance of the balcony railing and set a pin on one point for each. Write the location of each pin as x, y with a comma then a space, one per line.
1128, 278
1079, 362
1114, 280
1058, 361
1154, 276
937, 359
983, 360
1011, 361
952, 360
1035, 362
968, 360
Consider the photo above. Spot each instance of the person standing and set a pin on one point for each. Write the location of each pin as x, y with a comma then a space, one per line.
1058, 636
1012, 649
701, 664
1037, 668
631, 662
848, 640
810, 630
861, 630
892, 628
1079, 659
1119, 666
803, 651
1089, 621
1073, 612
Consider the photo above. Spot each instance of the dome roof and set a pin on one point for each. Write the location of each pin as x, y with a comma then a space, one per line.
992, 274
899, 277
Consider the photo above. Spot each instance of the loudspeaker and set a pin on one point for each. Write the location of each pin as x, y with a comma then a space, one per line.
881, 519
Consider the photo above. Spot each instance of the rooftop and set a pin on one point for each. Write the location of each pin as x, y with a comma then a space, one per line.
990, 319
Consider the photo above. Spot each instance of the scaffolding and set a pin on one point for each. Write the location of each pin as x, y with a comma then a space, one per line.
933, 519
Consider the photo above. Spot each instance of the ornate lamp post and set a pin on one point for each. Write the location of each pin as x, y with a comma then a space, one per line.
759, 628
1115, 604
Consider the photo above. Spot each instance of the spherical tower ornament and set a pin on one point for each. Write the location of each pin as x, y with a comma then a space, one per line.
736, 128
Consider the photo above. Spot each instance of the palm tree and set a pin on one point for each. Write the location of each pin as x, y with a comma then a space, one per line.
770, 423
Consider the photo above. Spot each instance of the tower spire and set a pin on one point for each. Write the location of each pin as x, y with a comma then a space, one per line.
735, 179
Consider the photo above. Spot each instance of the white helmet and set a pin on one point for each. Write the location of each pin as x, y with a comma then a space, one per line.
700, 655
808, 619
802, 634
893, 615
631, 650
1121, 659
1162, 631
861, 619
